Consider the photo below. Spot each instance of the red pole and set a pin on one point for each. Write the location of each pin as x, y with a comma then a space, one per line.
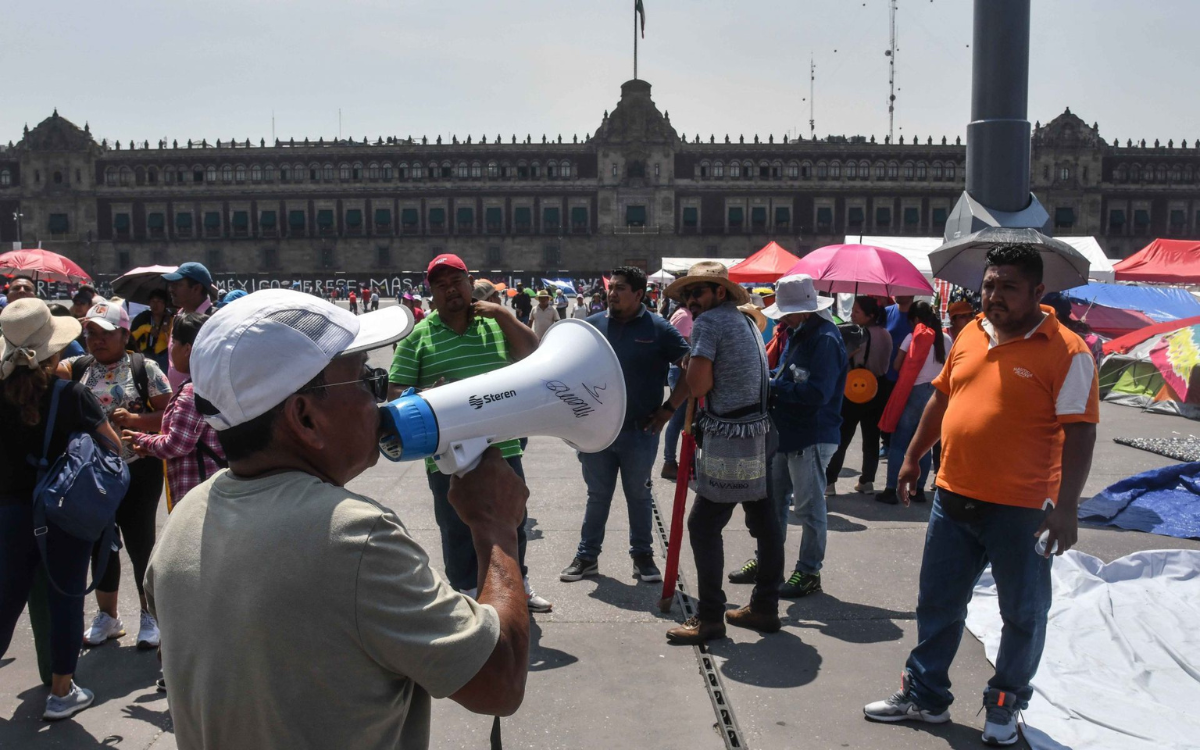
687, 453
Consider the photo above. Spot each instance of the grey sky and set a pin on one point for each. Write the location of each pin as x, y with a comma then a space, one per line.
145, 69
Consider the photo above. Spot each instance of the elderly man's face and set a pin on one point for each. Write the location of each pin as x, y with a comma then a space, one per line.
21, 289
349, 421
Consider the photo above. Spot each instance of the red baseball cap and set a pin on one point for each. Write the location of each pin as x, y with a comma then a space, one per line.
445, 260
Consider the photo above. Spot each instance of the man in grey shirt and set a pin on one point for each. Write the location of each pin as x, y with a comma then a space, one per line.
295, 612
728, 368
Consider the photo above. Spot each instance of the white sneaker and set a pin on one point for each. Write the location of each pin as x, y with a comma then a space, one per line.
900, 707
867, 487
148, 636
103, 628
68, 705
536, 603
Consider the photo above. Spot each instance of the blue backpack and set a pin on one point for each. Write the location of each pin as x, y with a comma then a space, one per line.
79, 493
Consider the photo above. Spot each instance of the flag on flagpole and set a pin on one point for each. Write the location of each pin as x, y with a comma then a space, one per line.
641, 11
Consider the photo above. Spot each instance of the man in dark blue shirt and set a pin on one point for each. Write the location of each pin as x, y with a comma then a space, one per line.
807, 409
646, 345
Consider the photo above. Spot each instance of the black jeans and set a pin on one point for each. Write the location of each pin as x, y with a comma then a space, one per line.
458, 548
136, 518
67, 562
853, 415
705, 524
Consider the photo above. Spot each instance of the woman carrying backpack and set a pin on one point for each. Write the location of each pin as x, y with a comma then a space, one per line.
29, 354
133, 391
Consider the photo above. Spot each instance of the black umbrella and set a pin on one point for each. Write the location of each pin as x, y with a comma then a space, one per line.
137, 284
962, 261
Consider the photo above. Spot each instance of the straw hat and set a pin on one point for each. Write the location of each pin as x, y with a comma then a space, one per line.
755, 315
708, 272
32, 335
543, 294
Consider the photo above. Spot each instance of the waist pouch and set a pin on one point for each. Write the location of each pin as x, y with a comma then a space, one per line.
962, 508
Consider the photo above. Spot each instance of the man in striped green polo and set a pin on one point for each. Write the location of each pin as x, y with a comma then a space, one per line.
462, 338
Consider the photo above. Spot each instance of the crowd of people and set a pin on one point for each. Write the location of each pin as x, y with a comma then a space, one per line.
257, 409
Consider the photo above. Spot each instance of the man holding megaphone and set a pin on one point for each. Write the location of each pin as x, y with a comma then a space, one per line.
294, 612
461, 338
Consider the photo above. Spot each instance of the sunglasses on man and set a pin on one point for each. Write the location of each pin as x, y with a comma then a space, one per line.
697, 291
374, 379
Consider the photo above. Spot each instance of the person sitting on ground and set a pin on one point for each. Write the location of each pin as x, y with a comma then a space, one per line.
32, 343
920, 360
386, 633
150, 330
186, 442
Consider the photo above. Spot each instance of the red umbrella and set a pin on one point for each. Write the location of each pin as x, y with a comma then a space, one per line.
862, 269
43, 265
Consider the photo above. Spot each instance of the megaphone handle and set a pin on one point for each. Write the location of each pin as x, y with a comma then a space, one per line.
463, 456
469, 467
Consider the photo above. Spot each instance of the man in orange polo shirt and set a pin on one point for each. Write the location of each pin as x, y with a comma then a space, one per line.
1016, 406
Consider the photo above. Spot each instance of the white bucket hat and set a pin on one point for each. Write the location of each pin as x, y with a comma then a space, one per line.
796, 294
251, 356
32, 335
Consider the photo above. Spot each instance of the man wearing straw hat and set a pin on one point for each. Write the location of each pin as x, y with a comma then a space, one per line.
728, 369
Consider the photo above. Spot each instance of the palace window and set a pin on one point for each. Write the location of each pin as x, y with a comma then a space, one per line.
835, 170
327, 172
921, 170
793, 171
344, 172
255, 173
564, 170
462, 170
226, 173
493, 170
1064, 173
5, 178
476, 170
718, 169
908, 170
783, 217
551, 223
893, 171
373, 171
735, 170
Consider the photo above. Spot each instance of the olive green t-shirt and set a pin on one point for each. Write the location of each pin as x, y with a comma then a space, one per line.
299, 614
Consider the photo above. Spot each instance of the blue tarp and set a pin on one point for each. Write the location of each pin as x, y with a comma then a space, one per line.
1159, 303
566, 285
1161, 501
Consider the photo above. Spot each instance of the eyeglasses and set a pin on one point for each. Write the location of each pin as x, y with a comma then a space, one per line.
696, 292
374, 378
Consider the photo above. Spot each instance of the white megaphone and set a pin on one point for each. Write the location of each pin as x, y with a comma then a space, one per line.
570, 388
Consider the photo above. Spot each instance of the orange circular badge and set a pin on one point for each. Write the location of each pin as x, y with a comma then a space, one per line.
861, 385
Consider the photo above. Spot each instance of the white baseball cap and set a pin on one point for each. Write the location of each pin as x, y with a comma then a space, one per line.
249, 357
108, 316
796, 294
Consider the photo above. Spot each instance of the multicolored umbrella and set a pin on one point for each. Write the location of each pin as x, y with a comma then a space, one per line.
1175, 356
862, 269
43, 265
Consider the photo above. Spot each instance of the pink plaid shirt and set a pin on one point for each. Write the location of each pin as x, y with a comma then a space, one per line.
182, 429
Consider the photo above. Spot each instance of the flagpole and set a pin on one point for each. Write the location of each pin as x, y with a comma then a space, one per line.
635, 21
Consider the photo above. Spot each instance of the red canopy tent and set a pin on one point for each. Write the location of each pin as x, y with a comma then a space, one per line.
767, 265
1163, 261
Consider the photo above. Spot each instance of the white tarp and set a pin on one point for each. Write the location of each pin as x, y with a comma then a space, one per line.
917, 250
680, 266
1121, 668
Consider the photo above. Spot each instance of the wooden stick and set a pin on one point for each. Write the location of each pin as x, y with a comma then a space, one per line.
687, 453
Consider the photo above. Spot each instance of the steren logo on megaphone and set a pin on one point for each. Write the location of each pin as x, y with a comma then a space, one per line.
489, 398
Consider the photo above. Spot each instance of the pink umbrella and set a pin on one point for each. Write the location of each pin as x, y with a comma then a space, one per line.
862, 269
43, 265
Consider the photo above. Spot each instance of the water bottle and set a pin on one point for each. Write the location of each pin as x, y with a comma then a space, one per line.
1040, 546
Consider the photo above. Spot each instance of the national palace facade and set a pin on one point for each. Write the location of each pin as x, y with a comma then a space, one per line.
632, 192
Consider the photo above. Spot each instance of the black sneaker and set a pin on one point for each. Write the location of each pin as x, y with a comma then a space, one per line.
888, 497
919, 497
578, 569
645, 570
748, 573
800, 584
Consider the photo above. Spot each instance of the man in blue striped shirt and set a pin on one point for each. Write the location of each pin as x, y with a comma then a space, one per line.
462, 338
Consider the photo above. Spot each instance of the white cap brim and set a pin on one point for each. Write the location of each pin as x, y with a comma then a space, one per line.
775, 312
380, 328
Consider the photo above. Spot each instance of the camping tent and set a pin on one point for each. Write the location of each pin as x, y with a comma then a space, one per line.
1163, 261
1157, 374
766, 265
1155, 302
680, 266
1110, 322
917, 250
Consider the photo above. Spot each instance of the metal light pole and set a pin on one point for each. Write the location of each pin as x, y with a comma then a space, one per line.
997, 193
17, 216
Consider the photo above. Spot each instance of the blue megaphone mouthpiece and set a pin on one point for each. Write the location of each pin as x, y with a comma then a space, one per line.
408, 428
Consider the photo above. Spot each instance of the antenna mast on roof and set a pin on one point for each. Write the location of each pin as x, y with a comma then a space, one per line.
812, 78
891, 56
